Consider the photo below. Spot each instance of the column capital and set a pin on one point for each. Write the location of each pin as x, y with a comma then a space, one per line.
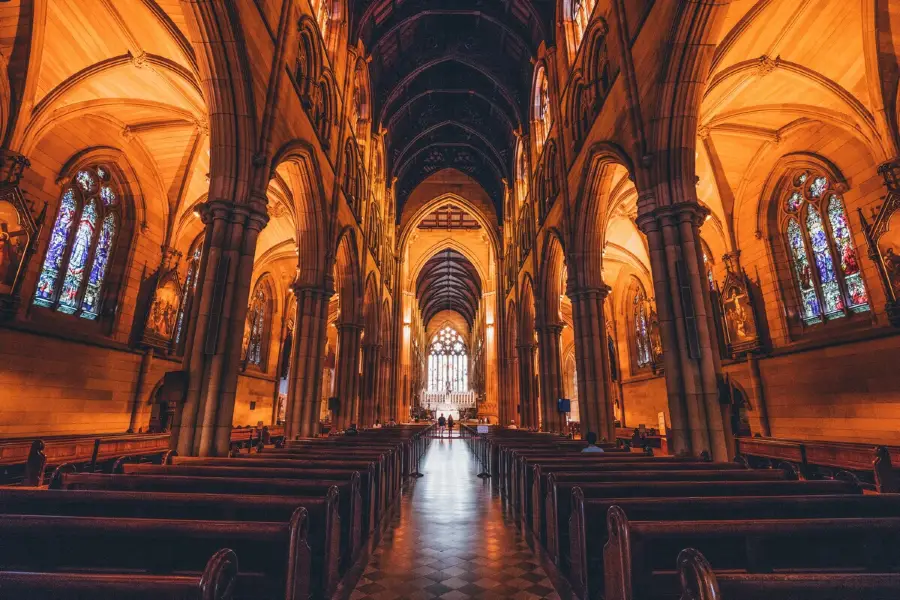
680, 212
325, 292
550, 328
585, 292
234, 212
349, 326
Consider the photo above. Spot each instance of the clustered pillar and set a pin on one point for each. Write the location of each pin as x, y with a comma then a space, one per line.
592, 360
347, 374
305, 392
213, 352
368, 397
527, 398
688, 343
551, 377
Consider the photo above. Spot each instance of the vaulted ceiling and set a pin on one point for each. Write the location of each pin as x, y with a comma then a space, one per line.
448, 281
450, 80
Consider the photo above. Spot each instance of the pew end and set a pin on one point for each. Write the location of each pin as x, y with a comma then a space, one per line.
698, 581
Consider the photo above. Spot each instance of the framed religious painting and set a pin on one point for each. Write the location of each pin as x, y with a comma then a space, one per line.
18, 231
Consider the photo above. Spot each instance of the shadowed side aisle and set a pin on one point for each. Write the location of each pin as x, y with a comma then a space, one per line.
451, 539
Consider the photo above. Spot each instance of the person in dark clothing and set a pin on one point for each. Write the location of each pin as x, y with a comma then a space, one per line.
450, 425
352, 430
442, 422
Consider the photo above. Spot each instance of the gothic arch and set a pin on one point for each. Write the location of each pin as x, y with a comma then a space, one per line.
347, 278
553, 263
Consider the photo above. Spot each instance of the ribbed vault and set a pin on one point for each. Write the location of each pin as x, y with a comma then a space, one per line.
448, 281
450, 82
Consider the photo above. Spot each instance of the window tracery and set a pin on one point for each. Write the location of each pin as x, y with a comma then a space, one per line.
641, 329
448, 362
81, 245
188, 292
255, 329
825, 265
542, 113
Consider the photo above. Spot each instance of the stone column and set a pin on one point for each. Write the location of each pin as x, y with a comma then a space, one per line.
592, 361
367, 395
305, 387
347, 374
513, 393
204, 426
526, 387
688, 344
551, 376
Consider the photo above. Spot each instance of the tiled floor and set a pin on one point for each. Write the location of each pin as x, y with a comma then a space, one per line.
452, 539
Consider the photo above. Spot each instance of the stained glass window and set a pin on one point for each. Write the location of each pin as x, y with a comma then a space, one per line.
641, 322
708, 265
542, 109
825, 292
187, 293
448, 362
256, 324
81, 245
323, 16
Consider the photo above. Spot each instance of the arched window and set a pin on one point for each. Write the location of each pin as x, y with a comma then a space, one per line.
255, 329
188, 292
81, 245
522, 175
581, 15
542, 115
640, 322
448, 362
708, 267
824, 261
323, 17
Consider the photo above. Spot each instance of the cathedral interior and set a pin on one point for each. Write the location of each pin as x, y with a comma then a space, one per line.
666, 221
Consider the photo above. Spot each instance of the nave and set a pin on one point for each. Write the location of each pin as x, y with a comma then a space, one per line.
452, 537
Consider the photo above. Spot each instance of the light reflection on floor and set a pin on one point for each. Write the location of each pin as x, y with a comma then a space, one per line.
452, 539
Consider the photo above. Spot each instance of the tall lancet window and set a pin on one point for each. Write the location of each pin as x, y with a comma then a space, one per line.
825, 263
448, 362
81, 245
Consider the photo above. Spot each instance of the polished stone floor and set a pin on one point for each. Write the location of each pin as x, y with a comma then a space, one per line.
451, 538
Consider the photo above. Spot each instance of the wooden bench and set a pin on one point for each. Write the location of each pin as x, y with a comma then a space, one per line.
550, 522
588, 530
366, 480
522, 481
350, 502
639, 556
372, 469
871, 464
217, 581
27, 460
540, 472
700, 582
315, 570
104, 545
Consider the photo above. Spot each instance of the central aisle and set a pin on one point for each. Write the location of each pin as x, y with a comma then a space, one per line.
452, 539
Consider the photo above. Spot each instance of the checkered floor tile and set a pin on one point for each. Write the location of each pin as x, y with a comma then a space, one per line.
452, 539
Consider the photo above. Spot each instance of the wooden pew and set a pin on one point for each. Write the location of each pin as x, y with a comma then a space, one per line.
540, 472
639, 555
366, 481
26, 460
217, 581
700, 582
588, 528
373, 470
550, 521
871, 464
522, 481
350, 499
314, 540
159, 546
